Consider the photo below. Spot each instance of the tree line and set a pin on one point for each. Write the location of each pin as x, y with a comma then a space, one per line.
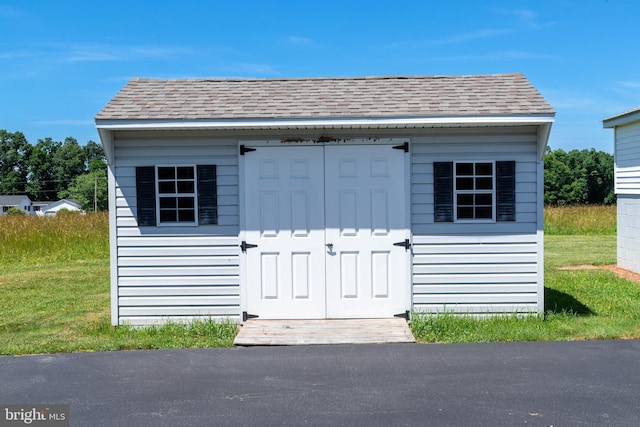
52, 170
578, 177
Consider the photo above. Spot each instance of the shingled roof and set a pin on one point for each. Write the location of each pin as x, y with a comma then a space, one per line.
324, 98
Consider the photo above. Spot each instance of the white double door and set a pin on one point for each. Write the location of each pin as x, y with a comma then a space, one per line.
325, 220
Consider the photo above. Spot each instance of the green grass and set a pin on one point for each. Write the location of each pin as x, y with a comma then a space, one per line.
562, 251
54, 292
28, 239
579, 304
580, 220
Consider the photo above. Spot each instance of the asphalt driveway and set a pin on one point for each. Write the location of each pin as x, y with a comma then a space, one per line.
540, 384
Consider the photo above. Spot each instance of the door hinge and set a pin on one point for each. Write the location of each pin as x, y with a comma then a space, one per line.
245, 149
404, 147
404, 315
406, 244
246, 316
244, 246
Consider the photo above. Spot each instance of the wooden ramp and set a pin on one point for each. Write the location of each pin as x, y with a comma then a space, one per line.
329, 331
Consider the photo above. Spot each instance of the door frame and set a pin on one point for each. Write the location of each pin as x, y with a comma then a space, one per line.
264, 143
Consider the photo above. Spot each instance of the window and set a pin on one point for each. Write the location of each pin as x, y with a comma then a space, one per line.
176, 195
474, 191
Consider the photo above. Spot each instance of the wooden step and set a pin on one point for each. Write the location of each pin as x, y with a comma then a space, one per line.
324, 331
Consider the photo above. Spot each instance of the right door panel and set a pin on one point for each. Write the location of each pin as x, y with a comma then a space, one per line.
365, 215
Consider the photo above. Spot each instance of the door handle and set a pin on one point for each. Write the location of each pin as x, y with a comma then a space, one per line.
330, 246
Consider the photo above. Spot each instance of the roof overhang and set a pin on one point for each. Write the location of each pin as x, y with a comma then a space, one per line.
622, 119
544, 121
337, 123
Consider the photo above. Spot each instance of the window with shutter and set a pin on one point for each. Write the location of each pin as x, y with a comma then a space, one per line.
506, 191
176, 195
443, 191
146, 195
207, 195
474, 191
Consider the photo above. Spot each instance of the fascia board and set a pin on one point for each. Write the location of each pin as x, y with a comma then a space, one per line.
543, 139
324, 123
621, 119
106, 138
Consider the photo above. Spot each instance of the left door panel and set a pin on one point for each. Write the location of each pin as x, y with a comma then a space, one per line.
285, 218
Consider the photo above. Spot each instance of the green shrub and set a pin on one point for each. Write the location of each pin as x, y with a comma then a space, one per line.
65, 211
15, 211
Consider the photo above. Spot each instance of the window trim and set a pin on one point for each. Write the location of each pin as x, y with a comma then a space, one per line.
456, 192
193, 195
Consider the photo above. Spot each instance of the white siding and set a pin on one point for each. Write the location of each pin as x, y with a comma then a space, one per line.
176, 273
629, 232
476, 268
180, 273
627, 158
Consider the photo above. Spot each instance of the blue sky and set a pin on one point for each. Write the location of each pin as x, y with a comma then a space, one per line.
61, 62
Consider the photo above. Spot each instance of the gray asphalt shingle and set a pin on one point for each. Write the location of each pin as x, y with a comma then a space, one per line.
317, 98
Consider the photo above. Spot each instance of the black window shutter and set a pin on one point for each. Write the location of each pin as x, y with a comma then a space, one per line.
506, 191
207, 195
443, 191
146, 195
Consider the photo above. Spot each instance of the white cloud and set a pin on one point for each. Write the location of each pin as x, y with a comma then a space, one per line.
450, 40
630, 84
569, 99
299, 41
519, 20
100, 52
470, 36
64, 122
527, 19
501, 56
87, 52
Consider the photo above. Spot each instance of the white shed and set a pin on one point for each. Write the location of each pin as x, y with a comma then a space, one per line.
626, 128
325, 197
55, 207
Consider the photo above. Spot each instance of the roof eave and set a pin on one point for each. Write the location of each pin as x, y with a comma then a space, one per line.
355, 123
622, 119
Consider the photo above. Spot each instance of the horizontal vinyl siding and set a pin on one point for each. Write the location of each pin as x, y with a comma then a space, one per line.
475, 268
629, 232
627, 159
177, 273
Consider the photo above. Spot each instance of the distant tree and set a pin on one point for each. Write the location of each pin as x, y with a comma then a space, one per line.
83, 188
42, 184
578, 177
68, 162
94, 157
14, 152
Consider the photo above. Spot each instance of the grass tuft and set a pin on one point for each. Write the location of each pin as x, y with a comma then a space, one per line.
580, 220
52, 239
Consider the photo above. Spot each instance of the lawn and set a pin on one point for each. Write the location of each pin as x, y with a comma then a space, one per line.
54, 292
579, 304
